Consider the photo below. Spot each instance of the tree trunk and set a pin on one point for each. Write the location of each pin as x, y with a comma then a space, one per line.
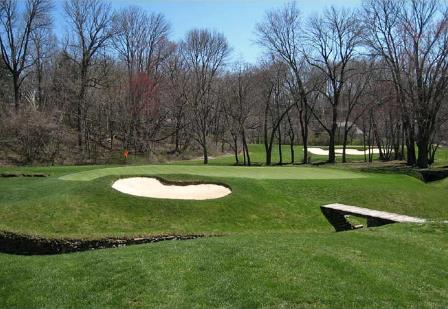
304, 131
292, 138
268, 156
204, 148
376, 137
245, 148
364, 138
305, 150
176, 140
244, 156
331, 148
332, 134
235, 147
249, 163
267, 148
16, 87
423, 152
410, 144
280, 152
291, 145
344, 146
80, 107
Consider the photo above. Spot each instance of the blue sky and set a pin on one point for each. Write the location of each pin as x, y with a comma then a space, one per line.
236, 19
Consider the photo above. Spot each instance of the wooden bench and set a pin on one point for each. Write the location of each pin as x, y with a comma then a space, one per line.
337, 214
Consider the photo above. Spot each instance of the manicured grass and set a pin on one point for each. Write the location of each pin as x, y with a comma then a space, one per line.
257, 153
89, 209
441, 158
258, 156
276, 249
218, 171
396, 266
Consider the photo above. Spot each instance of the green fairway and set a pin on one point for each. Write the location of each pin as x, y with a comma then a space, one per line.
390, 267
258, 156
218, 171
275, 250
90, 208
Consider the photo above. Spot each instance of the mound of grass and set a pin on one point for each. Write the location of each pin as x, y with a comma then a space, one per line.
92, 209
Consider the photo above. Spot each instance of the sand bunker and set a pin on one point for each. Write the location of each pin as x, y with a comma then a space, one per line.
348, 151
152, 187
318, 151
357, 152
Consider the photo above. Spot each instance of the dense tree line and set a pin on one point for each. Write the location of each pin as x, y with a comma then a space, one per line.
376, 75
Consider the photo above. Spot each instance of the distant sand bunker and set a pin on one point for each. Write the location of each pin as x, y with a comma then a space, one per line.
348, 151
152, 187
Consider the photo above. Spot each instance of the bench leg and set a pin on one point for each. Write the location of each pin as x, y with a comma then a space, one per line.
337, 219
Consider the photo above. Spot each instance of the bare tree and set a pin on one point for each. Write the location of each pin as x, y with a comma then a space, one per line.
383, 35
332, 43
176, 98
16, 31
140, 38
141, 42
425, 34
412, 38
91, 24
277, 103
44, 46
238, 107
204, 54
281, 33
355, 101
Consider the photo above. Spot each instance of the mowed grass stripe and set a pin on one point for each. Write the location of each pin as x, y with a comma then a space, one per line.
218, 171
395, 266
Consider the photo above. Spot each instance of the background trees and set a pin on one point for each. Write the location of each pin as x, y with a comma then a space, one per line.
204, 53
239, 108
332, 42
18, 27
411, 38
375, 76
91, 29
281, 33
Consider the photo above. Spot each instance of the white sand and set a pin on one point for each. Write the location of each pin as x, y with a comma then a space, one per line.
357, 152
318, 151
152, 187
348, 151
